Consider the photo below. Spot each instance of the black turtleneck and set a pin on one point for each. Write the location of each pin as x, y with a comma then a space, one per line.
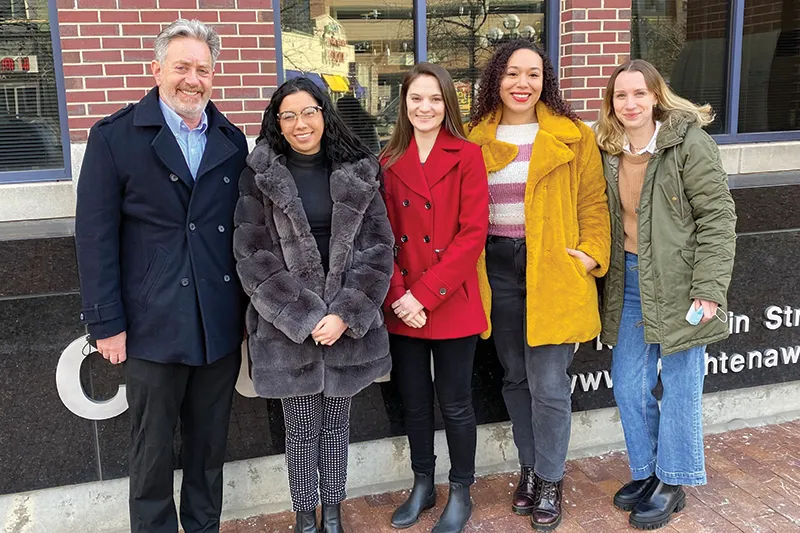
311, 173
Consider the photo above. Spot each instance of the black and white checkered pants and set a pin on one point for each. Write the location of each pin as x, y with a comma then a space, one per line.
317, 437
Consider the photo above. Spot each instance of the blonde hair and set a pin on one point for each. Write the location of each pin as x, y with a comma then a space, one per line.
669, 106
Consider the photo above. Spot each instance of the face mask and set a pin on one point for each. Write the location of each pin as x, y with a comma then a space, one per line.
693, 316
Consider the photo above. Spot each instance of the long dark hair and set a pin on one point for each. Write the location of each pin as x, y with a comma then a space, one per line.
401, 138
339, 143
488, 99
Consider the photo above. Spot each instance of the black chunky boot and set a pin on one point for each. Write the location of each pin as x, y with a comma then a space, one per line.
422, 497
547, 513
306, 522
457, 511
332, 519
524, 497
656, 508
633, 492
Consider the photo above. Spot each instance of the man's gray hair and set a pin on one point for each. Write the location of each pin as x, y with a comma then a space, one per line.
187, 28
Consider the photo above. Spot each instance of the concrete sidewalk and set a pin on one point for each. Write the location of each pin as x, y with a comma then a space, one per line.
754, 486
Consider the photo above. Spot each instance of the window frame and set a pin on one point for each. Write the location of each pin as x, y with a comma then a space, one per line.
53, 174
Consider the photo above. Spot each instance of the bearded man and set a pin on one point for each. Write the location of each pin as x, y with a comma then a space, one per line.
153, 231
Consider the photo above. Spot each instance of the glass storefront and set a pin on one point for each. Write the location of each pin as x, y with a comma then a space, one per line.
30, 134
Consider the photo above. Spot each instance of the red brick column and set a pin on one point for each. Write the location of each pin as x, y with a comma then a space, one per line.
595, 38
107, 47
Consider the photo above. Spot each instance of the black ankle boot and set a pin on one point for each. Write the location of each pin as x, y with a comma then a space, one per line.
422, 497
457, 511
656, 508
546, 513
524, 497
332, 519
306, 522
632, 493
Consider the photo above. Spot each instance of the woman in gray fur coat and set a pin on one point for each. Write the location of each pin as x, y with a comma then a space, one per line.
314, 252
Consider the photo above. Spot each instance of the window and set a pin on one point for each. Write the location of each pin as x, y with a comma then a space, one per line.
770, 86
740, 56
32, 125
359, 51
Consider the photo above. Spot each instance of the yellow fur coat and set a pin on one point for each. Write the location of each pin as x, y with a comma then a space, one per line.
565, 207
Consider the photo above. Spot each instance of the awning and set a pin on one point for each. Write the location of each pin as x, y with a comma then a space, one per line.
338, 84
310, 75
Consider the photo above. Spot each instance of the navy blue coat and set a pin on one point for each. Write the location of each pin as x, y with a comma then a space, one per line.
154, 246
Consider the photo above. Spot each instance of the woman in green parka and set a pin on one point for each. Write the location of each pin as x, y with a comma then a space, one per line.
673, 241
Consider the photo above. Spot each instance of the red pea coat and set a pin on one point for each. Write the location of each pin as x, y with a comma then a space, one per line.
439, 214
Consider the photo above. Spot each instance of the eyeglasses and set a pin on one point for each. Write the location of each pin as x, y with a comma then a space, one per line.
290, 117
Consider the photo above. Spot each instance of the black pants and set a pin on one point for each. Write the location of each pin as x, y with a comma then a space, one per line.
158, 395
536, 386
452, 363
317, 438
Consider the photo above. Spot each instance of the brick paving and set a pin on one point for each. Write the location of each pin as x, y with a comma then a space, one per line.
754, 486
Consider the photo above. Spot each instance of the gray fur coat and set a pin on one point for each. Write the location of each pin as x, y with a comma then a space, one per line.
281, 271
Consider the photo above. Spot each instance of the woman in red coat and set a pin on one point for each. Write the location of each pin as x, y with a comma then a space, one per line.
437, 200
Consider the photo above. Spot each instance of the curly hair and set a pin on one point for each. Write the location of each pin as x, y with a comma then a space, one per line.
488, 99
339, 142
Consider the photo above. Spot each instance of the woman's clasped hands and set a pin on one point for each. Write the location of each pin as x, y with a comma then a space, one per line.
410, 311
328, 330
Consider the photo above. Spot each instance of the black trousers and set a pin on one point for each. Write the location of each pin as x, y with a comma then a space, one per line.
452, 364
200, 396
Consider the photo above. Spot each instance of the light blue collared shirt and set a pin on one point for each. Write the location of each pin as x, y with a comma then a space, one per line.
192, 142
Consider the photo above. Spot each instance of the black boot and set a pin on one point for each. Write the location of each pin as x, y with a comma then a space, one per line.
632, 493
422, 497
306, 522
546, 513
525, 496
656, 508
457, 511
332, 519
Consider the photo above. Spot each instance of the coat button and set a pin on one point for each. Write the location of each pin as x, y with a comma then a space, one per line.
404, 272
674, 198
404, 238
226, 278
427, 205
406, 203
173, 178
185, 282
192, 227
83, 317
221, 228
442, 291
426, 239
226, 179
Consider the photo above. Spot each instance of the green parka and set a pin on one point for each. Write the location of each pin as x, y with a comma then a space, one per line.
687, 239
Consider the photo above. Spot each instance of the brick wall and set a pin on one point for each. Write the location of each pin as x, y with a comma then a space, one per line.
107, 47
595, 38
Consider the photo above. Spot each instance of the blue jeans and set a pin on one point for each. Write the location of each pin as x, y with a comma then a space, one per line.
669, 441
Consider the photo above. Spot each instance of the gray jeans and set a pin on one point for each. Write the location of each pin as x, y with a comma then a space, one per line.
536, 386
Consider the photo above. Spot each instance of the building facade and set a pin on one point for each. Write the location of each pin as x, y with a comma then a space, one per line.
64, 64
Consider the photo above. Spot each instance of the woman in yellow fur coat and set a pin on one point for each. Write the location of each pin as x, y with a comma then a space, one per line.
549, 238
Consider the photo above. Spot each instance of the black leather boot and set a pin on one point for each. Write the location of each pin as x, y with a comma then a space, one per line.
332, 519
422, 497
306, 522
457, 511
632, 493
525, 496
656, 508
546, 513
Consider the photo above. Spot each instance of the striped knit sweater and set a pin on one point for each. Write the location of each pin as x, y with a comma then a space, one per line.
507, 185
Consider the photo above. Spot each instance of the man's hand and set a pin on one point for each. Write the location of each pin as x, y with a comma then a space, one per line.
113, 348
328, 330
588, 263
